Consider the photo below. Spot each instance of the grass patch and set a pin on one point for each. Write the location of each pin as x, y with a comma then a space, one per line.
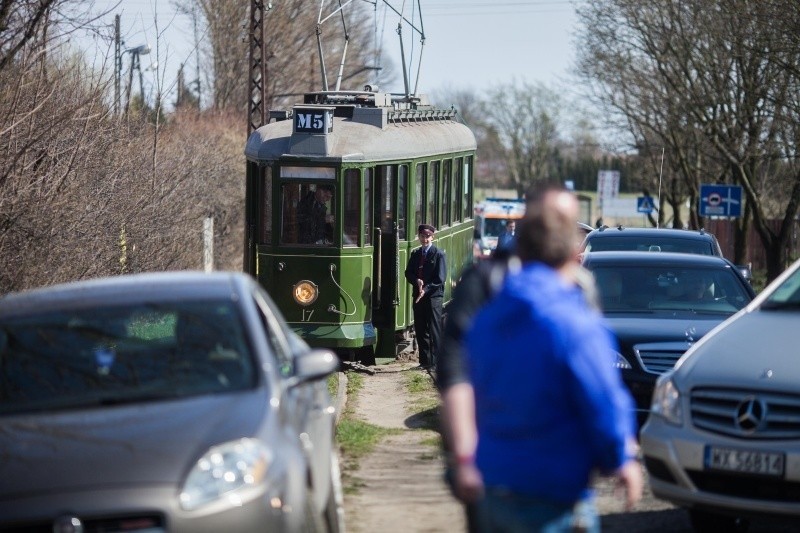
420, 386
357, 438
355, 382
425, 400
434, 440
419, 383
333, 384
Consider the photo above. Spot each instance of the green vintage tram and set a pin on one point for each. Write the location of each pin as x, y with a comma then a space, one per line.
336, 188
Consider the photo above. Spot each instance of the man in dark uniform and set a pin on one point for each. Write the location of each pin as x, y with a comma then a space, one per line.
506, 239
313, 218
426, 272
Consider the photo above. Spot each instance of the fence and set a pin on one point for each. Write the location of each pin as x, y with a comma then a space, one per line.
755, 254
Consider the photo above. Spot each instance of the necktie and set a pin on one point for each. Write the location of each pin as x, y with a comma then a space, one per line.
421, 262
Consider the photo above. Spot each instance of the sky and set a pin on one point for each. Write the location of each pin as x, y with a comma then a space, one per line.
469, 44
480, 43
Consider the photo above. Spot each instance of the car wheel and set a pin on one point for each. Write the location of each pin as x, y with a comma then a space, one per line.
708, 522
334, 509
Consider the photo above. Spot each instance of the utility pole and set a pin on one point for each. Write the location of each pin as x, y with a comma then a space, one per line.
180, 89
130, 84
141, 81
117, 65
256, 108
196, 55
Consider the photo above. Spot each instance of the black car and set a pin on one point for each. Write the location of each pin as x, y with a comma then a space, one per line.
659, 304
620, 238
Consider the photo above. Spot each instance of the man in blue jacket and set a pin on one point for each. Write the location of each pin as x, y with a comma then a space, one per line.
426, 271
550, 409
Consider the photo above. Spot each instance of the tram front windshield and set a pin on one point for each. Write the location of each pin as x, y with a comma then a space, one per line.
308, 213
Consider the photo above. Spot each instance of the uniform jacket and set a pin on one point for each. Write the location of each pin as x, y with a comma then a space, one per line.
506, 241
434, 271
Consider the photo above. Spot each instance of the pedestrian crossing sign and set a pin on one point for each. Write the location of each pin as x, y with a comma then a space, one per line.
644, 204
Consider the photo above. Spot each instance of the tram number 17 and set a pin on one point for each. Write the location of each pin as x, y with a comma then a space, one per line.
307, 315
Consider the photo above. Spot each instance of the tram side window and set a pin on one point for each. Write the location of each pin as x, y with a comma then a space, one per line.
430, 195
446, 199
419, 184
259, 202
386, 207
467, 190
402, 179
352, 201
266, 205
308, 213
457, 185
367, 206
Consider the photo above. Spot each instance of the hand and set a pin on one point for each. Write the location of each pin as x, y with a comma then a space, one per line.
468, 483
419, 297
630, 478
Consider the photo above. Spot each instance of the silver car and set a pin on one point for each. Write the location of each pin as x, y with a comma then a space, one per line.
162, 402
723, 437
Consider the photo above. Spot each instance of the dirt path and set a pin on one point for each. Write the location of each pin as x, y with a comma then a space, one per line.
400, 485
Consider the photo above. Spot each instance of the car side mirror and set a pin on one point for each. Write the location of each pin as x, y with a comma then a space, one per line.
313, 365
746, 273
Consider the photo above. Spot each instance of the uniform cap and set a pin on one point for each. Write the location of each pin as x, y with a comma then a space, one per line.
426, 229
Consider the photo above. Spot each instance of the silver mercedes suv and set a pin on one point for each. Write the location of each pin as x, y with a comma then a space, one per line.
723, 436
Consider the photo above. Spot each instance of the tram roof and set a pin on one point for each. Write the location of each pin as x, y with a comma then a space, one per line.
364, 134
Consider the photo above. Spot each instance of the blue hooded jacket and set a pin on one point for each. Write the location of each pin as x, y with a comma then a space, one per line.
550, 405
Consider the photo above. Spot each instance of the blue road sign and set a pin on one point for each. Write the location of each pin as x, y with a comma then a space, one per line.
644, 204
720, 201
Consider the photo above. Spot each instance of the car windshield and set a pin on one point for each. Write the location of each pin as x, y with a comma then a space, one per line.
652, 288
493, 227
619, 243
121, 354
786, 295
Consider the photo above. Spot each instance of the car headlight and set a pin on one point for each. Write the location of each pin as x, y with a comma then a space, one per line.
667, 400
305, 292
223, 470
620, 362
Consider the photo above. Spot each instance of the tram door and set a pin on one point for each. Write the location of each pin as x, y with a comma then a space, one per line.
390, 229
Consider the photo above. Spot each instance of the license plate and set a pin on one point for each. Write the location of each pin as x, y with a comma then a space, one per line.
745, 461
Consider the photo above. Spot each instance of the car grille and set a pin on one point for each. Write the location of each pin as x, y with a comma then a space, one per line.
751, 487
658, 361
746, 414
129, 524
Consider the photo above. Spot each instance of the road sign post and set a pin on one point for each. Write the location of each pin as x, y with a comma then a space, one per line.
644, 204
720, 200
607, 186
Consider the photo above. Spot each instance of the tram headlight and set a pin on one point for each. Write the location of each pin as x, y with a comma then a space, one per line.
305, 292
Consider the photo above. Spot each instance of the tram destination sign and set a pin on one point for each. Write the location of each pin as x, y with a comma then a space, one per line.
313, 119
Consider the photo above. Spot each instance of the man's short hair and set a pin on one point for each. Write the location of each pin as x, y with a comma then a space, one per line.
328, 188
547, 233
